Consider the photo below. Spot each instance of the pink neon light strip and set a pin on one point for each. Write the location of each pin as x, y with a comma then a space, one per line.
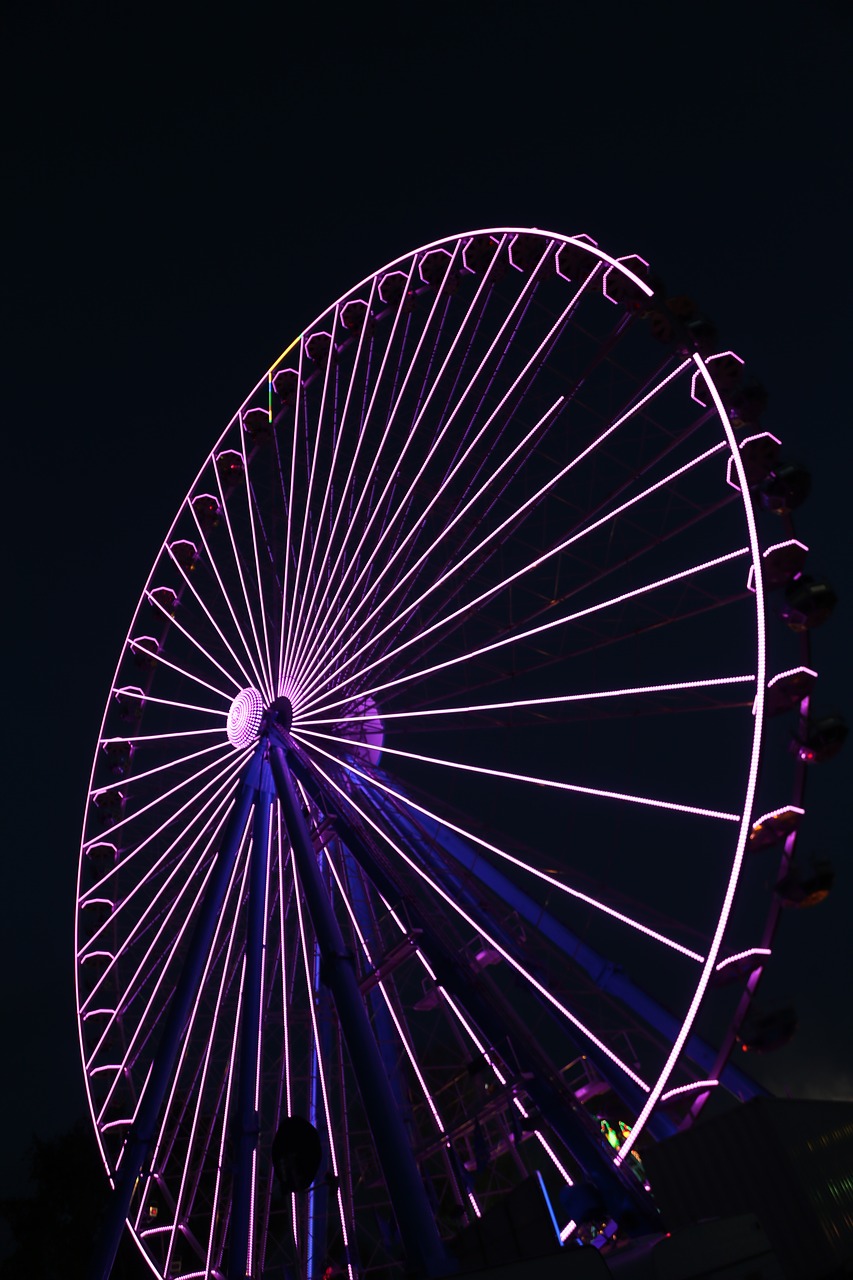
315, 437
342, 427
188, 580
214, 1216
461, 331
210, 1040
128, 692
794, 671
160, 737
261, 601
308, 720
745, 822
446, 897
211, 561
228, 773
284, 634
686, 1088
366, 420
174, 622
154, 906
164, 662
540, 629
265, 685
319, 1057
137, 813
130, 781
525, 866
743, 955
529, 778
396, 622
778, 813
333, 627
403, 1037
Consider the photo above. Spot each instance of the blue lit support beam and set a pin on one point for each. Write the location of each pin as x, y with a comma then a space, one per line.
425, 1252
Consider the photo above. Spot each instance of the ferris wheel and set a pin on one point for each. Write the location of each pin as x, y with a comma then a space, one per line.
416, 876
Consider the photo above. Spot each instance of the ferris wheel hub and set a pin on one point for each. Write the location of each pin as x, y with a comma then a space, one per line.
244, 718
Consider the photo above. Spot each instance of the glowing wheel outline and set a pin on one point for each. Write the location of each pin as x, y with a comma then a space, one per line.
413, 426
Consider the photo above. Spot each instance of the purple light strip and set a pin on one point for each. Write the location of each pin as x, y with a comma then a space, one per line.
158, 984
794, 671
677, 686
395, 624
332, 627
361, 436
265, 685
365, 488
362, 343
285, 1004
228, 773
399, 583
158, 657
209, 1043
246, 676
161, 737
446, 897
778, 813
572, 787
174, 622
416, 482
159, 800
686, 1088
319, 1056
220, 1165
746, 819
743, 955
314, 438
261, 601
404, 1040
284, 634
226, 597
525, 866
152, 906
160, 768
128, 691
540, 629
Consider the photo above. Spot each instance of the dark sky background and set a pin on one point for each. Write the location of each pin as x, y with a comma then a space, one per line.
183, 197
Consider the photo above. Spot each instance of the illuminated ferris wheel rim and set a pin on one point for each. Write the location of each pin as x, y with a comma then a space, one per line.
314, 712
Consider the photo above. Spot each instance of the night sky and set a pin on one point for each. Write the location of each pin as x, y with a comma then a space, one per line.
183, 198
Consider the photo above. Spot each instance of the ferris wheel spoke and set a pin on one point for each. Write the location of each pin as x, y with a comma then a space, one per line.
164, 662
288, 490
216, 1216
139, 696
366, 420
462, 329
265, 683
531, 779
133, 778
517, 637
375, 781
166, 795
262, 607
309, 720
378, 503
316, 437
228, 975
481, 930
142, 1025
207, 613
511, 521
316, 573
514, 392
472, 312
121, 908
229, 773
320, 1066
